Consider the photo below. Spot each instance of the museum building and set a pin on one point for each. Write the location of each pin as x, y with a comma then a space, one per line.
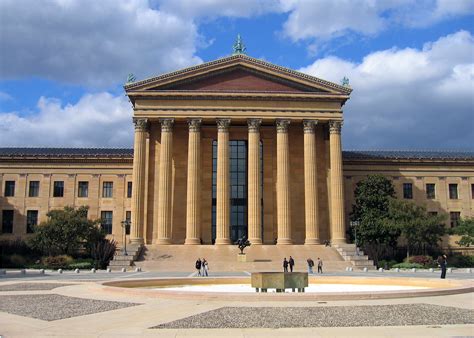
237, 146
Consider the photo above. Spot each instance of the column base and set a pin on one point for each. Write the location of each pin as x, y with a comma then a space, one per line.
284, 241
223, 241
163, 241
192, 241
338, 241
255, 241
137, 241
312, 241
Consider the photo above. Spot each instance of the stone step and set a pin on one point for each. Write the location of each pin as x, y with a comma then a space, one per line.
121, 263
123, 258
363, 263
355, 258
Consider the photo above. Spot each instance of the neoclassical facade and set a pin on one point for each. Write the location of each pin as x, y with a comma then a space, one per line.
228, 148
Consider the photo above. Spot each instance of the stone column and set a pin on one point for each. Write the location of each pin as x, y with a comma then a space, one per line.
193, 205
138, 177
223, 183
164, 183
310, 183
254, 183
337, 190
283, 183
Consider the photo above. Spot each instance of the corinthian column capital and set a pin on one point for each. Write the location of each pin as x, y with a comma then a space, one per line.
167, 125
223, 125
254, 125
194, 125
308, 126
282, 125
140, 124
335, 127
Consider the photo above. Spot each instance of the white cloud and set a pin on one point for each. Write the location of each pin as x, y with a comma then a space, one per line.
96, 120
409, 97
5, 96
92, 42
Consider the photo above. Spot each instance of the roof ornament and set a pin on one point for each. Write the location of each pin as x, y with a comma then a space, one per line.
238, 46
345, 82
131, 78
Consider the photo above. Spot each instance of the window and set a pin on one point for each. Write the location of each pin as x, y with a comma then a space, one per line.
454, 217
31, 220
430, 191
58, 190
9, 188
33, 191
407, 190
7, 221
106, 224
129, 189
107, 189
472, 191
83, 189
128, 218
453, 191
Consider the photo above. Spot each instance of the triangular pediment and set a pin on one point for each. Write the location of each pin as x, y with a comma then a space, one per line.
238, 73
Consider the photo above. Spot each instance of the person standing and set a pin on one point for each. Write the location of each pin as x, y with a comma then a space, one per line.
198, 266
320, 265
205, 268
285, 265
292, 263
310, 265
443, 263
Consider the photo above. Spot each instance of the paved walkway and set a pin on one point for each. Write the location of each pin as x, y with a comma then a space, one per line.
78, 307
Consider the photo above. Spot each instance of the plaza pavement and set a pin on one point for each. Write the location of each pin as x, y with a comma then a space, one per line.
103, 314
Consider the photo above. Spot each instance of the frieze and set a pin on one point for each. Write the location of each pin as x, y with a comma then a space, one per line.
194, 125
282, 125
335, 127
254, 125
223, 125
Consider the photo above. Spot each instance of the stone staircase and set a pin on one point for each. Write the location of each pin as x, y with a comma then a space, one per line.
121, 261
224, 257
355, 257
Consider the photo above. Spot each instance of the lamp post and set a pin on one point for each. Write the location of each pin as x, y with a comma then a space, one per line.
125, 225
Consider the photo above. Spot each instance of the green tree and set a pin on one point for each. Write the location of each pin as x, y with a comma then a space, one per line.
66, 231
418, 228
465, 229
372, 199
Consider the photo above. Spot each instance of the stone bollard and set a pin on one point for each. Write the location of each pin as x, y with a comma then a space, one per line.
23, 271
468, 270
93, 270
450, 270
413, 270
397, 269
41, 271
60, 270
124, 270
380, 269
138, 269
350, 269
76, 271
365, 269
431, 270
109, 270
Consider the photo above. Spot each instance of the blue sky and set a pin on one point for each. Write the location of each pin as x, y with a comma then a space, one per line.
410, 63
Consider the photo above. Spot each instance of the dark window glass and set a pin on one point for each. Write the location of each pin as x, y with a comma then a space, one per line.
129, 189
454, 217
58, 190
7, 221
472, 191
34, 188
430, 191
107, 189
31, 220
453, 191
128, 218
9, 188
407, 190
106, 224
83, 189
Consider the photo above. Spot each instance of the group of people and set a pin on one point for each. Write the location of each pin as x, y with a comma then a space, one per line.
202, 267
291, 263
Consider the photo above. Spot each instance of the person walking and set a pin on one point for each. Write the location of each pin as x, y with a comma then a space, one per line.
320, 265
310, 265
285, 265
205, 266
292, 263
198, 266
443, 262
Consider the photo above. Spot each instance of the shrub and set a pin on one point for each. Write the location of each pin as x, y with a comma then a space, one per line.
408, 266
426, 261
102, 252
57, 262
17, 261
387, 264
461, 261
80, 265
